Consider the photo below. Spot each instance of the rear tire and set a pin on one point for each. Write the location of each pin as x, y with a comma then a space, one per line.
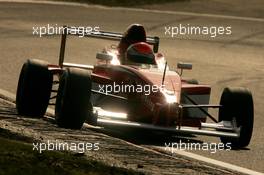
73, 104
34, 88
238, 106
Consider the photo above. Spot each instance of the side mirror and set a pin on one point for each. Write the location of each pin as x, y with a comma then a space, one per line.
104, 56
182, 65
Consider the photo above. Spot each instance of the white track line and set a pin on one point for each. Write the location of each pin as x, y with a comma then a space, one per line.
10, 96
212, 161
252, 19
7, 96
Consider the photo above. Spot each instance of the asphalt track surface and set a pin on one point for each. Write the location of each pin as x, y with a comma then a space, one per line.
233, 60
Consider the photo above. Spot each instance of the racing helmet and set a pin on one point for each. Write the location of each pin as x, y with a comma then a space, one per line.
140, 52
135, 33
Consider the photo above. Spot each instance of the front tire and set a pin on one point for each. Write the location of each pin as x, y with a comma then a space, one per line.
73, 104
34, 88
237, 106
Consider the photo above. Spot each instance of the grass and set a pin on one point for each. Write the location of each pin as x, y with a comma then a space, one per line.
124, 3
17, 157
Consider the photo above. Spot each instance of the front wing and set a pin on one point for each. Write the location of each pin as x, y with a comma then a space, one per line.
220, 129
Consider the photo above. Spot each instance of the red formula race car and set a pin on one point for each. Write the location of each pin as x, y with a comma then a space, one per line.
141, 93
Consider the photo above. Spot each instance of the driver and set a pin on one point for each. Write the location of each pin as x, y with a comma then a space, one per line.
139, 53
135, 33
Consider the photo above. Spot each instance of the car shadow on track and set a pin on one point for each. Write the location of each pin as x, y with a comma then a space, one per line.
147, 137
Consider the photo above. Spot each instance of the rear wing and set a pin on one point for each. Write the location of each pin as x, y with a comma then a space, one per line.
154, 41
